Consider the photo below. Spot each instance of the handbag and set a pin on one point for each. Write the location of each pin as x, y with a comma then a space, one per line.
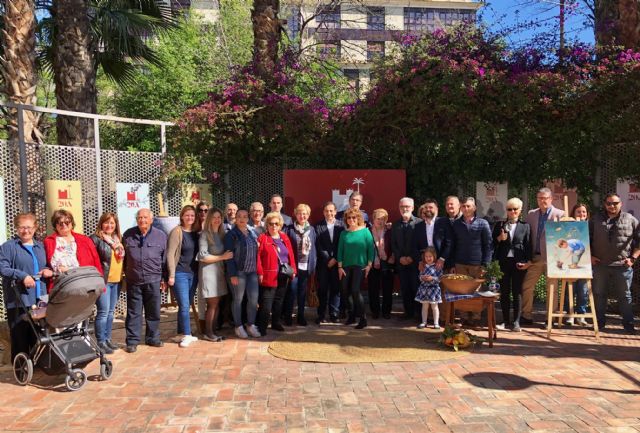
284, 268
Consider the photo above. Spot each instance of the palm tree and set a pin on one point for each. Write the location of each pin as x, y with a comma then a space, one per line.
85, 35
18, 71
266, 36
616, 22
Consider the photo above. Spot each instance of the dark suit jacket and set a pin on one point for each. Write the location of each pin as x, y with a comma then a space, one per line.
326, 249
404, 240
442, 237
521, 243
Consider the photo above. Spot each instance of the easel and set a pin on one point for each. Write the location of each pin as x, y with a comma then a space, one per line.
171, 296
559, 313
567, 284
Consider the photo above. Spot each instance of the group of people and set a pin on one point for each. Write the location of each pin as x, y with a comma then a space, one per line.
259, 266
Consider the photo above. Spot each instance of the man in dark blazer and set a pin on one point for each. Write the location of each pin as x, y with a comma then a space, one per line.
434, 231
327, 236
407, 256
355, 201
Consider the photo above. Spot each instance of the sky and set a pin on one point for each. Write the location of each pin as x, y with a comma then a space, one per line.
523, 20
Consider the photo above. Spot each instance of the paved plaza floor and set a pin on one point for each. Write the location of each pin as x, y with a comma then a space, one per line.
524, 383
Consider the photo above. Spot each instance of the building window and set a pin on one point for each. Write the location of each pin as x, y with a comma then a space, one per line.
328, 17
353, 78
293, 23
375, 18
328, 50
429, 19
375, 50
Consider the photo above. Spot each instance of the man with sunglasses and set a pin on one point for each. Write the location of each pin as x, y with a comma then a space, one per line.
615, 246
537, 218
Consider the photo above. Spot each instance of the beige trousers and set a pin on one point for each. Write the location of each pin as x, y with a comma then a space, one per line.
538, 268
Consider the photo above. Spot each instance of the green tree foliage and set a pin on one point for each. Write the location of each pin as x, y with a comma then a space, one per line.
193, 60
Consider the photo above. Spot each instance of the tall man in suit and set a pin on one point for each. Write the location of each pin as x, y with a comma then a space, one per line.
275, 204
434, 231
355, 201
537, 219
407, 256
327, 236
452, 209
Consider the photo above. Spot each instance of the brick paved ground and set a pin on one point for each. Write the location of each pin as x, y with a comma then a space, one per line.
525, 383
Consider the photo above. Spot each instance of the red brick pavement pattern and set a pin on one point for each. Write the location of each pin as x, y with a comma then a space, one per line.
525, 383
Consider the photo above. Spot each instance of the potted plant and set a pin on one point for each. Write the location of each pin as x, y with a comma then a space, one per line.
493, 273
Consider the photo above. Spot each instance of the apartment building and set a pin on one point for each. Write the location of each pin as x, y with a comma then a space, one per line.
356, 32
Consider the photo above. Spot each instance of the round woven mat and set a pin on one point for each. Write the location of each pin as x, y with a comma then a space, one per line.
347, 345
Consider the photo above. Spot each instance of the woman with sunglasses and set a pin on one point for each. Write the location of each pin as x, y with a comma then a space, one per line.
274, 249
355, 257
67, 249
512, 249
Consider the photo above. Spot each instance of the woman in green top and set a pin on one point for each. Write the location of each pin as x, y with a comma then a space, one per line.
355, 256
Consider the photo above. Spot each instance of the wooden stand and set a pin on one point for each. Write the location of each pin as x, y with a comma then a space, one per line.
475, 305
555, 308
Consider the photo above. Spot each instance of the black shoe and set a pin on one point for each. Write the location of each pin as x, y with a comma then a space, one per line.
155, 343
350, 321
525, 322
288, 322
629, 331
302, 321
104, 347
387, 316
277, 327
131, 349
333, 319
362, 324
112, 345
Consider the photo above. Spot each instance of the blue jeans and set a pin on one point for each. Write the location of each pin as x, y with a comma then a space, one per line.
297, 294
106, 304
247, 284
582, 297
184, 289
617, 278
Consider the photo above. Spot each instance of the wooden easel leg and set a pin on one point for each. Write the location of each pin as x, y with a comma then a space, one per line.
593, 310
550, 297
560, 303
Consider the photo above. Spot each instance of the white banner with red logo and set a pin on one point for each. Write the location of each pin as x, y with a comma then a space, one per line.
131, 197
67, 195
629, 193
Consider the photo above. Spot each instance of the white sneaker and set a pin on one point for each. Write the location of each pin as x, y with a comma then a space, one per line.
253, 331
241, 333
580, 321
187, 340
569, 321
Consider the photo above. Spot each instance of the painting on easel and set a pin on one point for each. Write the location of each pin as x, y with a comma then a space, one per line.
568, 252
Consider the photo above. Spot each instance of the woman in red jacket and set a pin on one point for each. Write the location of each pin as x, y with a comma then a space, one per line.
274, 249
66, 249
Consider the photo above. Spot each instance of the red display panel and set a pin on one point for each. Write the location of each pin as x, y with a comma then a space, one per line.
380, 189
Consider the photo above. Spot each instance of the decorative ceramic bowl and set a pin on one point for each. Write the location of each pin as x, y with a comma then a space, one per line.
453, 283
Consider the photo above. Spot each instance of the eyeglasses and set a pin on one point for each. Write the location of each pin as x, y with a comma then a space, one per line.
203, 210
544, 197
274, 223
612, 203
512, 209
63, 222
352, 218
26, 228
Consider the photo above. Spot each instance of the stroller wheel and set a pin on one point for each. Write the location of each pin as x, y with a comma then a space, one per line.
106, 369
22, 368
76, 379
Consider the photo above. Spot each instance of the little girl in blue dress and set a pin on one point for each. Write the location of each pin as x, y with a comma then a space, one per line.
429, 293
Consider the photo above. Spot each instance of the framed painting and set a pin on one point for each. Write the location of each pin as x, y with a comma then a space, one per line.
568, 252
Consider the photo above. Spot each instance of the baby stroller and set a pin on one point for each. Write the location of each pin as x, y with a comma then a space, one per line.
63, 342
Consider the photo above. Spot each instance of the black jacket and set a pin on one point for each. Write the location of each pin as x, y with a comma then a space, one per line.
326, 249
521, 243
442, 237
104, 252
403, 238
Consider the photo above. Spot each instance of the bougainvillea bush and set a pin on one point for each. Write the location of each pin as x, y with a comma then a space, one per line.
454, 106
